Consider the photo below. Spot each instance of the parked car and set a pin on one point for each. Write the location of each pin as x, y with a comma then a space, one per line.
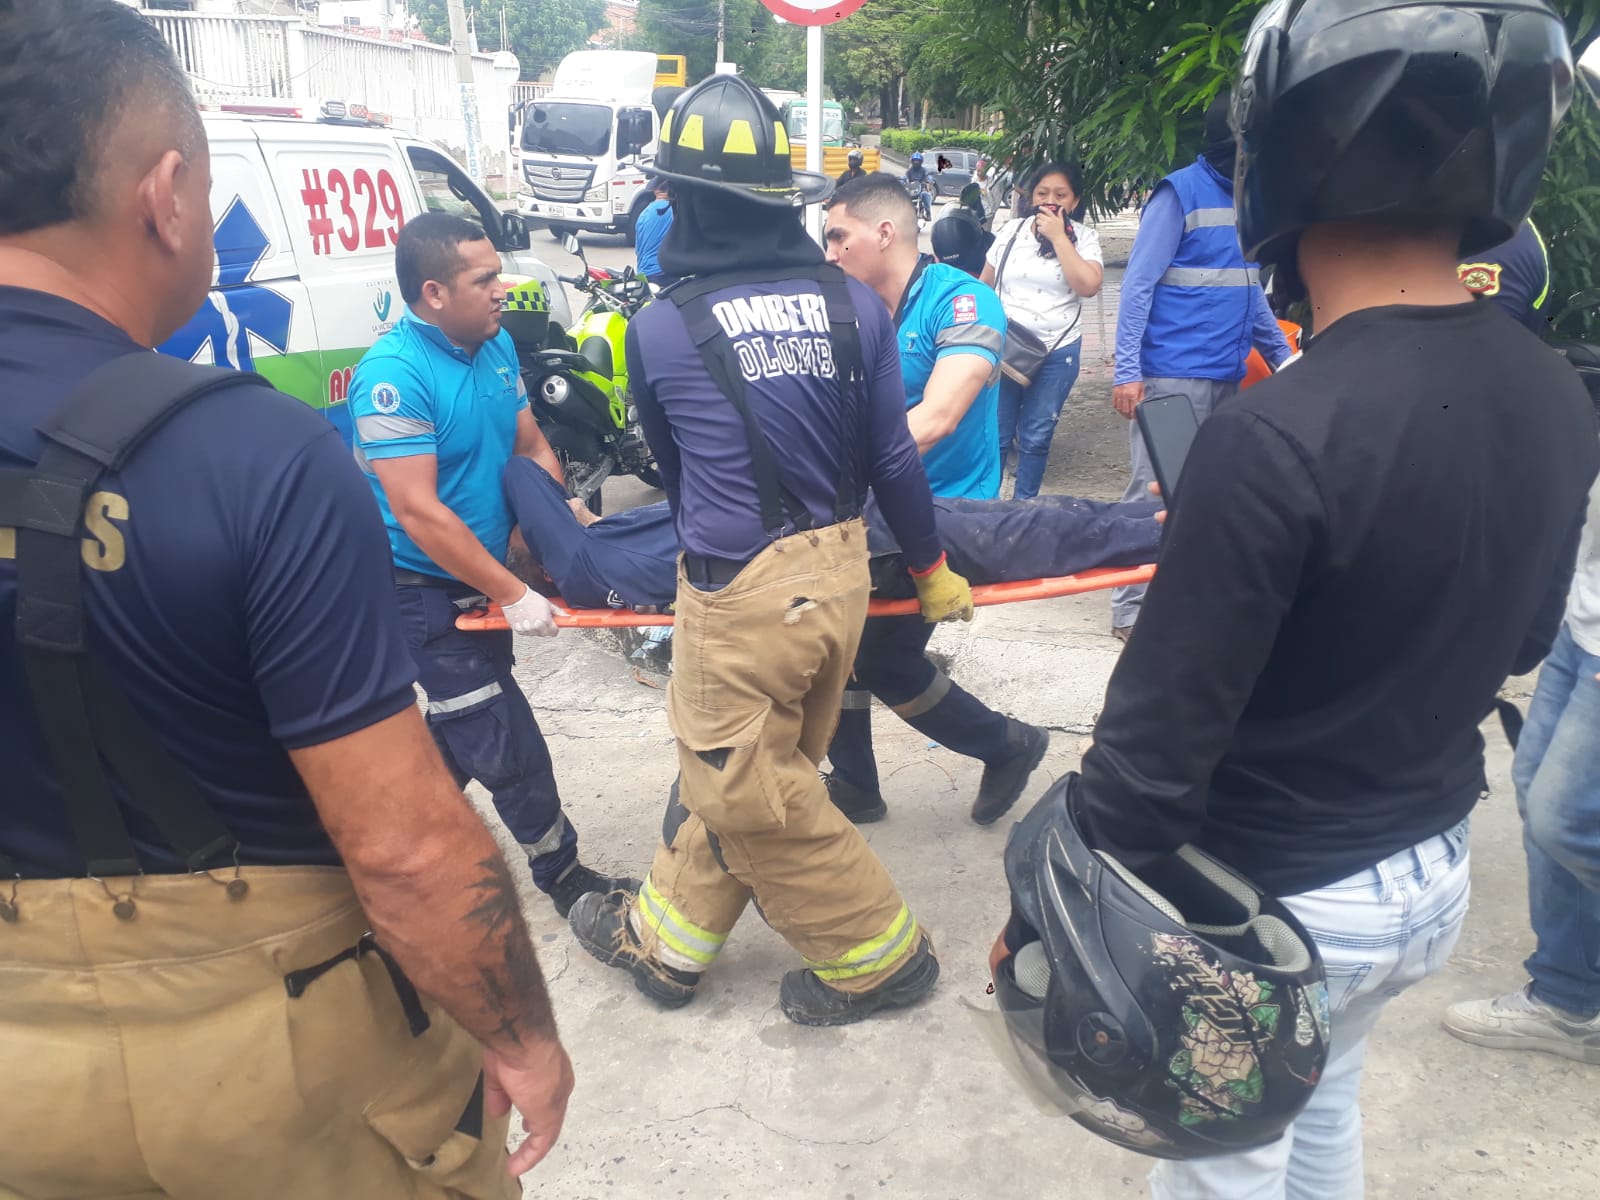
951, 169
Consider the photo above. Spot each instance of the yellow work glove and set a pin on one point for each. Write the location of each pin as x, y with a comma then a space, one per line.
943, 594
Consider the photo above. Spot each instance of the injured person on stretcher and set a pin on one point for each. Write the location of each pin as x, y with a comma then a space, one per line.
630, 560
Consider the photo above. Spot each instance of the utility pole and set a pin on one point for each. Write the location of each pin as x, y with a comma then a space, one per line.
722, 31
469, 98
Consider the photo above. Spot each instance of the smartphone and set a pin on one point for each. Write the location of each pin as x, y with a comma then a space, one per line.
1168, 425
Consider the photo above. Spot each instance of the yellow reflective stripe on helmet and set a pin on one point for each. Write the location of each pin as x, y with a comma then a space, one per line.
876, 954
676, 931
666, 127
741, 139
780, 141
693, 136
1543, 250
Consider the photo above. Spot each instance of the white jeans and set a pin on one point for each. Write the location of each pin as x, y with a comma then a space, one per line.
1379, 931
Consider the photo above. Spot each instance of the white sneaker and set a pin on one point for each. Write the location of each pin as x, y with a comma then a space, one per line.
1519, 1022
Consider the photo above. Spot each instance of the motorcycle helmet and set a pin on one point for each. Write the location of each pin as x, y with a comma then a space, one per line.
1589, 69
854, 158
525, 315
724, 134
1175, 1010
1395, 108
916, 156
959, 240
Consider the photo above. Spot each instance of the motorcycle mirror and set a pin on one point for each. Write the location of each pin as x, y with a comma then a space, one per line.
572, 245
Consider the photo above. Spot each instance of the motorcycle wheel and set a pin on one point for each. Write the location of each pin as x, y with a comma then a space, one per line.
582, 459
649, 476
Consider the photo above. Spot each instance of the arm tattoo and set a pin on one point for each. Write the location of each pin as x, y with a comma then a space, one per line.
510, 986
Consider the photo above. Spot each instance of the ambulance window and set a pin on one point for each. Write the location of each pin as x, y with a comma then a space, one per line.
447, 189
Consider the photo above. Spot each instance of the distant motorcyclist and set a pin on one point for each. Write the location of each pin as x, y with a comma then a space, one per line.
854, 170
920, 184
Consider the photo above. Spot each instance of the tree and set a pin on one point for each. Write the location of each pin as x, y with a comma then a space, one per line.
769, 54
539, 32
1123, 87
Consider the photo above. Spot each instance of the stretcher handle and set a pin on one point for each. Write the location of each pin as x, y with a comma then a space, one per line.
984, 595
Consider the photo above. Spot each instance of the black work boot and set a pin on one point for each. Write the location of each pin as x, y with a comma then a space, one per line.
600, 923
1003, 781
582, 880
861, 807
807, 1000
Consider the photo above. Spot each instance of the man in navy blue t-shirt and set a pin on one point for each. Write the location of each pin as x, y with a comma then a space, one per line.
237, 592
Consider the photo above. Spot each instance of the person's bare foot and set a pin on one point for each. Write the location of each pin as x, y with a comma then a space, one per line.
581, 511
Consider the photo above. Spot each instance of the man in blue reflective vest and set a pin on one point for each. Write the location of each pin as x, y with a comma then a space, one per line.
439, 407
1191, 309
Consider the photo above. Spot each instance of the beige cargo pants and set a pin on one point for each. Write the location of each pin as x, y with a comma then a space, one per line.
758, 670
163, 1056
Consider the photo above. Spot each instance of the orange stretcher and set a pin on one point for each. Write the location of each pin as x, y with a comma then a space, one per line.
983, 595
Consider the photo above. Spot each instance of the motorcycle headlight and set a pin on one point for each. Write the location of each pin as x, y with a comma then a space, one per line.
555, 389
595, 194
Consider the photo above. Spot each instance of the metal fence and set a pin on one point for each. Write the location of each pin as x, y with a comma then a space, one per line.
234, 58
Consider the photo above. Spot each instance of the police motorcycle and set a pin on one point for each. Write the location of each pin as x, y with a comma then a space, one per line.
577, 378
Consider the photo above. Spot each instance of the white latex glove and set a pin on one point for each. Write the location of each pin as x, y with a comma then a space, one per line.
532, 614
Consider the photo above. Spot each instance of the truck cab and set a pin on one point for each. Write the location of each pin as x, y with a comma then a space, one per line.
796, 122
579, 147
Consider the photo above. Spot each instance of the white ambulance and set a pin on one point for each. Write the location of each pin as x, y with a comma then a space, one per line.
307, 213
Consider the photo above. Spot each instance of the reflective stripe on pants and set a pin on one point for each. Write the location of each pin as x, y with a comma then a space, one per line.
873, 955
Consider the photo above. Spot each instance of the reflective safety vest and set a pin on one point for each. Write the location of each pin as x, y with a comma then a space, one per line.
1199, 325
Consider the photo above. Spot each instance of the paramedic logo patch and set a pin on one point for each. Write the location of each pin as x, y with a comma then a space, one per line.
385, 398
1481, 279
966, 309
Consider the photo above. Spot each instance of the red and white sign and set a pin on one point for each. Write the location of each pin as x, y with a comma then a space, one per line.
813, 12
351, 195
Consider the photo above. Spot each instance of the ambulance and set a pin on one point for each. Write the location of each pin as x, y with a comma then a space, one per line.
307, 213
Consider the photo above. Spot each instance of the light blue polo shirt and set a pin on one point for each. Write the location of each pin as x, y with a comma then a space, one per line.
415, 393
949, 312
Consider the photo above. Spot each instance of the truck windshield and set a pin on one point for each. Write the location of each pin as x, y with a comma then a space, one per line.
832, 124
567, 129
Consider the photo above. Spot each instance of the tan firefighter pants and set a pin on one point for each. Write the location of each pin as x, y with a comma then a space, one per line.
758, 670
163, 1056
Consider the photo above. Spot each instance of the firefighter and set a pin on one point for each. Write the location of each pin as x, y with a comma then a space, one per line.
251, 933
769, 387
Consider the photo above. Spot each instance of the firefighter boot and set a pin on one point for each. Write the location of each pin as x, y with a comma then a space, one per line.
807, 1000
600, 923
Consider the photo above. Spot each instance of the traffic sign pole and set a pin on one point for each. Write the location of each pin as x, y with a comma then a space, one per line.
814, 118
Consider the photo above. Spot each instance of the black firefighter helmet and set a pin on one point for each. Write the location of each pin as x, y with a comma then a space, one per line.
1176, 1011
1396, 109
724, 134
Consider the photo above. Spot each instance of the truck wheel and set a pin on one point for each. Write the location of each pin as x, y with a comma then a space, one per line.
558, 230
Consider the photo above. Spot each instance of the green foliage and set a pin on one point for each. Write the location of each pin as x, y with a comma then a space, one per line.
1123, 87
539, 32
770, 55
904, 141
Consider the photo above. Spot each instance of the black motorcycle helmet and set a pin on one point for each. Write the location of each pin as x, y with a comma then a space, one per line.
959, 240
724, 134
1395, 108
853, 158
1176, 1011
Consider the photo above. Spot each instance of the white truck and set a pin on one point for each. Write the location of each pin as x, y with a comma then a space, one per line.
579, 147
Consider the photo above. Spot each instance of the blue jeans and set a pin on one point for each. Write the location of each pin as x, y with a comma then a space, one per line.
1028, 415
484, 727
1379, 931
1557, 776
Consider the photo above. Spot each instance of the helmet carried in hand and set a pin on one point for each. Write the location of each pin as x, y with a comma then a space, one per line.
1177, 1011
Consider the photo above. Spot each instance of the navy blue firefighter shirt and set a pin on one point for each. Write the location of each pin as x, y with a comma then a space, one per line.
239, 588
780, 334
